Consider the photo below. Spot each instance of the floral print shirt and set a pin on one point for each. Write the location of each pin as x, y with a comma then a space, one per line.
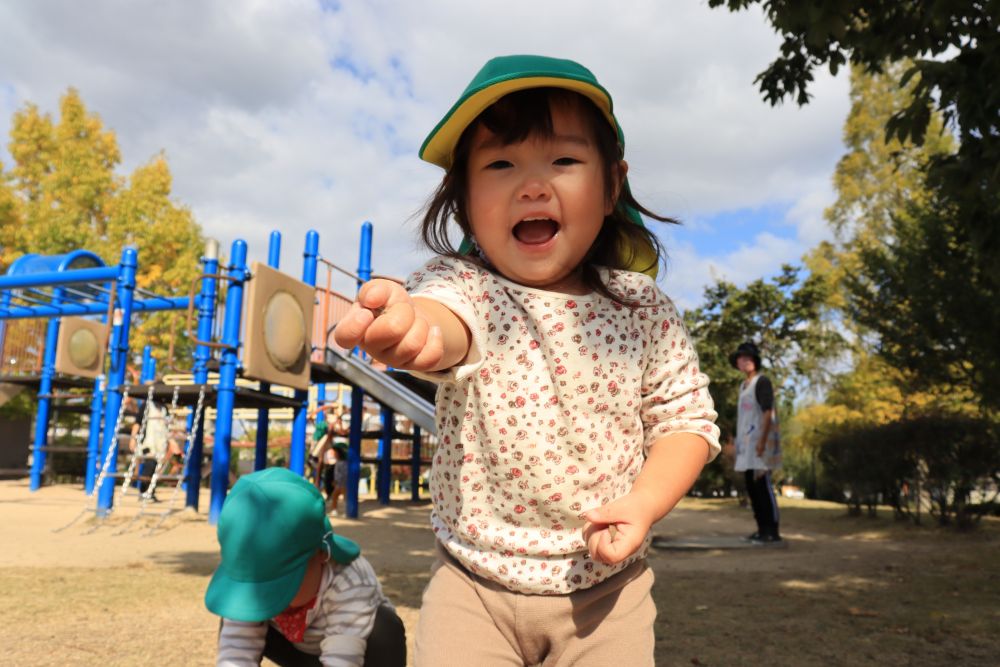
550, 415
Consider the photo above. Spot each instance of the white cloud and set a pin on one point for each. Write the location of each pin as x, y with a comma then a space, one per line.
285, 116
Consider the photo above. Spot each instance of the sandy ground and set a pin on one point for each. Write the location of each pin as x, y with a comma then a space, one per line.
844, 591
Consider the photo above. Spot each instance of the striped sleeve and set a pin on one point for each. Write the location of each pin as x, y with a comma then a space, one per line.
349, 607
240, 644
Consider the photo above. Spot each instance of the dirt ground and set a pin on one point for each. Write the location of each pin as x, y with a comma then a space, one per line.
845, 591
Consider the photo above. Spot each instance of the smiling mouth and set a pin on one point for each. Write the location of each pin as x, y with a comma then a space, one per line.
536, 231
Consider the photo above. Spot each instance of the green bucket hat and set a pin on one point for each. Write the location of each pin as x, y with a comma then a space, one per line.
270, 526
507, 74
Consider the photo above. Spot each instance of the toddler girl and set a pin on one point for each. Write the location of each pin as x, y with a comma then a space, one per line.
571, 411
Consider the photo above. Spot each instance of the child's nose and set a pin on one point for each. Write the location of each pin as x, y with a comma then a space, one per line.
534, 188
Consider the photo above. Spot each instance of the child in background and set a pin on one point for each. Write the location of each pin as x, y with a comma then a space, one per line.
289, 589
321, 441
335, 475
572, 414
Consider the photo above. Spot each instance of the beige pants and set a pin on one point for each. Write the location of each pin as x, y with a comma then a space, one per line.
469, 621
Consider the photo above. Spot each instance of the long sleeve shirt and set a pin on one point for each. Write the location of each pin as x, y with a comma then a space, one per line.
551, 415
337, 627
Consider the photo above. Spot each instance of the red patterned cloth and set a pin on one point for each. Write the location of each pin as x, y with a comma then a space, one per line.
292, 621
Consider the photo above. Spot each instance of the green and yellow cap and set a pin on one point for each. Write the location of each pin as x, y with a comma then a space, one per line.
507, 74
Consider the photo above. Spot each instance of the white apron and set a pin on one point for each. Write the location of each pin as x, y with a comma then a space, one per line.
749, 421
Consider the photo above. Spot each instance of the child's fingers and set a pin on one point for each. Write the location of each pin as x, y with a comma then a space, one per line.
612, 545
601, 544
379, 293
373, 294
611, 533
351, 329
431, 354
596, 515
412, 343
603, 515
388, 330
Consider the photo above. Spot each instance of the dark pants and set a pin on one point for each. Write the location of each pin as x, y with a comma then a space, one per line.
328, 480
386, 645
765, 506
146, 469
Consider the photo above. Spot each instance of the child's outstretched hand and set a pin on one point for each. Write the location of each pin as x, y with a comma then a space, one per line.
386, 324
616, 531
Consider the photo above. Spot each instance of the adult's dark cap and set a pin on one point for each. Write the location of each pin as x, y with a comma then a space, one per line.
747, 349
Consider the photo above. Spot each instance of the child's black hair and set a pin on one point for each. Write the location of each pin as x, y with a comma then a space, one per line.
514, 118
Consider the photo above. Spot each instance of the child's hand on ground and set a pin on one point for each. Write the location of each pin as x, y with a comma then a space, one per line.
385, 323
615, 531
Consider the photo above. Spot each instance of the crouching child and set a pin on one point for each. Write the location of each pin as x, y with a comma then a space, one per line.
290, 590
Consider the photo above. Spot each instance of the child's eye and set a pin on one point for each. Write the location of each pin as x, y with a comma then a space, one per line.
566, 161
499, 164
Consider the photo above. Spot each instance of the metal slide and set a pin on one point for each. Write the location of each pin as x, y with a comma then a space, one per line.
382, 387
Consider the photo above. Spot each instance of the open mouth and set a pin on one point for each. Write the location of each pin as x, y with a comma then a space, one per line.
536, 231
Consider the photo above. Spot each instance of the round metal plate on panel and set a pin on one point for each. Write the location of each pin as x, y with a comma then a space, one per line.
284, 330
84, 348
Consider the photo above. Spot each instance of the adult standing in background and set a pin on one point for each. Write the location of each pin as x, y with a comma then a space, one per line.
758, 449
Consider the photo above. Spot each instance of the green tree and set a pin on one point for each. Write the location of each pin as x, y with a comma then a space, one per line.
167, 238
784, 316
934, 310
902, 272
954, 46
63, 193
899, 284
879, 177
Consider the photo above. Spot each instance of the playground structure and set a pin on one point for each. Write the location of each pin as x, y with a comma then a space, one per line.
284, 340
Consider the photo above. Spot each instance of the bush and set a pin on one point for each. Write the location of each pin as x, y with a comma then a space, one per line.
869, 464
943, 458
959, 455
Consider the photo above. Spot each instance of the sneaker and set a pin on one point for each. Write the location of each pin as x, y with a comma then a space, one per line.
751, 537
765, 540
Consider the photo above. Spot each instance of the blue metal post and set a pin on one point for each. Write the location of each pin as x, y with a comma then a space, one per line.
94, 438
148, 371
354, 451
44, 391
415, 465
96, 424
385, 455
357, 395
202, 355
263, 418
365, 257
116, 373
297, 455
227, 380
4, 306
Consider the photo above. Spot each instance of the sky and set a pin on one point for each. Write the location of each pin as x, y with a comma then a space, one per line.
293, 115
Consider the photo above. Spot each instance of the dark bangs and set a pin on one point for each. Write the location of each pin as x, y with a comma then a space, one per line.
528, 113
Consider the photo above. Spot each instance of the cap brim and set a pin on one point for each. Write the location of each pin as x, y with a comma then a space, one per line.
439, 147
342, 550
255, 601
